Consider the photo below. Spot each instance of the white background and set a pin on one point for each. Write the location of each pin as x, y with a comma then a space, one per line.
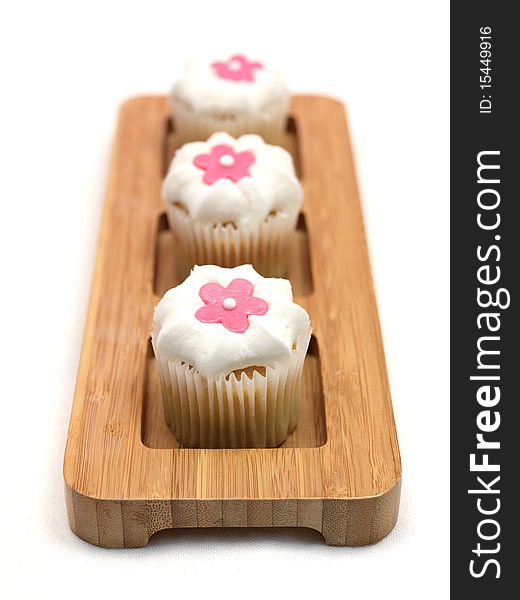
65, 67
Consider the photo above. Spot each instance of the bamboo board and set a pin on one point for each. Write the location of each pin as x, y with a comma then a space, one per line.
126, 477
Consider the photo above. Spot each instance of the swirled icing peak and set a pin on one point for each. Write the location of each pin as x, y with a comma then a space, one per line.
231, 84
220, 320
226, 179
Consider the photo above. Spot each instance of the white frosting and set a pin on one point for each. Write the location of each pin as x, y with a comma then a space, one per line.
212, 348
272, 186
202, 90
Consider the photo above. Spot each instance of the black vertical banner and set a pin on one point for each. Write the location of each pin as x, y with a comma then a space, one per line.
485, 270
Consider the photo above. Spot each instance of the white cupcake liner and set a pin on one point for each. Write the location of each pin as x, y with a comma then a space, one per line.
191, 126
255, 411
265, 245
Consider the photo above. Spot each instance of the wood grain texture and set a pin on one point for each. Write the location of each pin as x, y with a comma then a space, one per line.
339, 473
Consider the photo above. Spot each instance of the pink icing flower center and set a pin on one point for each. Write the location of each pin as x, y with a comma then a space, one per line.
230, 306
224, 163
237, 68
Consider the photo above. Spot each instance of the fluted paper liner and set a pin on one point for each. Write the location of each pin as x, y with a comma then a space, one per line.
264, 245
252, 410
191, 126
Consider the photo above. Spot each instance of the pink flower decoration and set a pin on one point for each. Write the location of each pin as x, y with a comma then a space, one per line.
223, 162
237, 68
230, 306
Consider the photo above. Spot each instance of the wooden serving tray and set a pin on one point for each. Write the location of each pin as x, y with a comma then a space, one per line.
339, 472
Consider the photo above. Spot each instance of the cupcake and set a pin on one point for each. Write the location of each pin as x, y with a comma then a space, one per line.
231, 202
230, 346
229, 93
